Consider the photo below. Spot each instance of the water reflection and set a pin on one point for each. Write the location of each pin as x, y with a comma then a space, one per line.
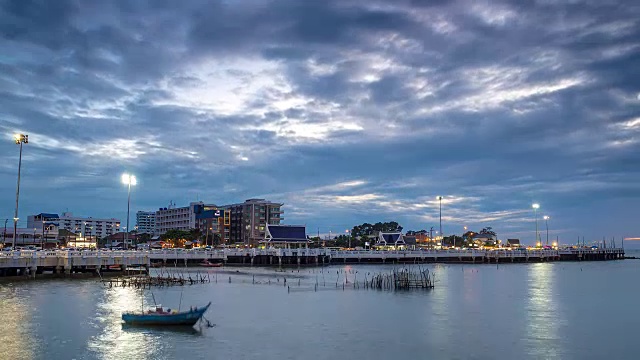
113, 342
542, 313
156, 330
16, 339
440, 307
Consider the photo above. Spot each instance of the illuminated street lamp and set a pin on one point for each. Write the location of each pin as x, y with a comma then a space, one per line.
535, 207
19, 139
440, 199
128, 179
546, 222
349, 237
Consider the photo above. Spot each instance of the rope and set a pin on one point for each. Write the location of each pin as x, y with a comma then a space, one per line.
208, 324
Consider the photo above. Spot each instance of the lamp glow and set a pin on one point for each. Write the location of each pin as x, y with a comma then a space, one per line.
128, 179
535, 206
546, 217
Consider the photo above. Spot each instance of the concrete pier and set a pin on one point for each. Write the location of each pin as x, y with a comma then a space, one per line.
14, 263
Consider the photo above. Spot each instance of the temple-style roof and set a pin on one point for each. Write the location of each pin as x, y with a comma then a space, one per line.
410, 240
48, 216
286, 233
390, 239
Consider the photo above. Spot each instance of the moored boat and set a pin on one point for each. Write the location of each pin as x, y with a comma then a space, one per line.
161, 316
210, 264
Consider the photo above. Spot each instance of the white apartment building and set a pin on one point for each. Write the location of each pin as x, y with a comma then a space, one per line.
145, 222
176, 218
81, 226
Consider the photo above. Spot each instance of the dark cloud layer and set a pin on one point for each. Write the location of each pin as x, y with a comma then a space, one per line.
347, 111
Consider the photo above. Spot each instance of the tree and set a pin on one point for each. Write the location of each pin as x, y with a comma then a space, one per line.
369, 229
176, 237
452, 240
143, 238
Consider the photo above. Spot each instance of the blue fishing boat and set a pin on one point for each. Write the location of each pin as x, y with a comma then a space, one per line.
168, 317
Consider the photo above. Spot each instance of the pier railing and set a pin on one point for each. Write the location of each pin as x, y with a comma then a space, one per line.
67, 258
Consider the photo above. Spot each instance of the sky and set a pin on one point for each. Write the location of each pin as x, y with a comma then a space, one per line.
346, 111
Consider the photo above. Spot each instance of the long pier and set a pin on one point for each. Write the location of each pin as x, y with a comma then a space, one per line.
65, 262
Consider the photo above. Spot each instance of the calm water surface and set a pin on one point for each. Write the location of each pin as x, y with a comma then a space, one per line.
521, 311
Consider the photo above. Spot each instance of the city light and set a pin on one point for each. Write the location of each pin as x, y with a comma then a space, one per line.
128, 179
19, 140
546, 217
536, 206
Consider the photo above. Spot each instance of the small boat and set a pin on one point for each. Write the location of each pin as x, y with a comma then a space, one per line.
168, 317
209, 264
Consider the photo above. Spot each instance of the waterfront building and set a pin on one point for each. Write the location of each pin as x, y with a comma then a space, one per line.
249, 220
286, 236
513, 242
84, 227
390, 240
480, 240
31, 236
145, 222
177, 218
214, 224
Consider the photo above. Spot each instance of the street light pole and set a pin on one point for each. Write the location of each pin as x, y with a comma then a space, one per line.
440, 199
42, 230
431, 237
535, 207
546, 222
126, 241
20, 139
349, 237
128, 180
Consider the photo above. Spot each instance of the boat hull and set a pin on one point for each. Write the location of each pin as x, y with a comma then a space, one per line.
208, 264
186, 318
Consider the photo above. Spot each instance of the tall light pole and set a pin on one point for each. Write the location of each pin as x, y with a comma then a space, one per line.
349, 237
546, 222
440, 199
43, 230
535, 207
128, 180
431, 245
19, 139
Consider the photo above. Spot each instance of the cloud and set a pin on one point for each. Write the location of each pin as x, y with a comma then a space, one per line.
347, 111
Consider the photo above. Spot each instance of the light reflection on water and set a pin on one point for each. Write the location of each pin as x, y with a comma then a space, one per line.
514, 311
15, 332
543, 314
111, 342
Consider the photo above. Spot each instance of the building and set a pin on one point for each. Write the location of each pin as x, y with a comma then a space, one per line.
513, 242
286, 236
390, 240
176, 218
422, 238
118, 239
31, 236
249, 220
214, 224
145, 222
84, 227
479, 240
